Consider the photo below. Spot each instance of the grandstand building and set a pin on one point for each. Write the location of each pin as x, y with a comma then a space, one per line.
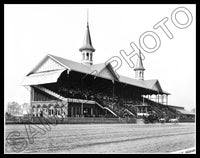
67, 88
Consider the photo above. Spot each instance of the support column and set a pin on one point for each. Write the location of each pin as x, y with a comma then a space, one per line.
71, 111
142, 100
57, 111
54, 110
91, 111
31, 109
31, 98
36, 111
166, 99
82, 109
47, 111
66, 109
113, 89
75, 111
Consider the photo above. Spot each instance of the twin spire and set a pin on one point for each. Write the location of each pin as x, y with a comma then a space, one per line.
139, 64
87, 43
139, 68
87, 49
87, 53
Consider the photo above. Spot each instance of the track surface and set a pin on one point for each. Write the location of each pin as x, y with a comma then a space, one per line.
101, 138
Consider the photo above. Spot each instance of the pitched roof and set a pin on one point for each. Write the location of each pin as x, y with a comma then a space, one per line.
150, 83
98, 68
147, 84
154, 85
131, 81
72, 65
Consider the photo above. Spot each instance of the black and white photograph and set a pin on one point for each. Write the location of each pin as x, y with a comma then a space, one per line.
99, 79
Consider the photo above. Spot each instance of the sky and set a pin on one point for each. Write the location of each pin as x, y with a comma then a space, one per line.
32, 31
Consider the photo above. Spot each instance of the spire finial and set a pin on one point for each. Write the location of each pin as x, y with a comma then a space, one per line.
140, 54
87, 17
139, 69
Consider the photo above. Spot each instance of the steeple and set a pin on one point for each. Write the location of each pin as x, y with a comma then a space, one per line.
87, 48
139, 68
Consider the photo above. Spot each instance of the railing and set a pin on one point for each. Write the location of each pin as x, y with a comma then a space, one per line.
67, 120
104, 107
58, 96
131, 108
160, 108
107, 106
51, 93
114, 107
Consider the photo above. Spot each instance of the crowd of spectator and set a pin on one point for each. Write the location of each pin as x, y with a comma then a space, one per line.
162, 110
121, 105
114, 104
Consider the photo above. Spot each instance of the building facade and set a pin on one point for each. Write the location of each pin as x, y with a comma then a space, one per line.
64, 88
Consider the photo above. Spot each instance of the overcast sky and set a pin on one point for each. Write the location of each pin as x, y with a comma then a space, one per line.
32, 31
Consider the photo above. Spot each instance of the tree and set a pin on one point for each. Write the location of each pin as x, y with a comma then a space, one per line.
13, 108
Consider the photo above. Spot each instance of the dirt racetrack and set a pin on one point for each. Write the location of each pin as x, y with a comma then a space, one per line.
99, 138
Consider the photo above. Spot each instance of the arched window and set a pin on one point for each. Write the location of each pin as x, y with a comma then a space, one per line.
51, 110
87, 56
140, 73
83, 56
137, 74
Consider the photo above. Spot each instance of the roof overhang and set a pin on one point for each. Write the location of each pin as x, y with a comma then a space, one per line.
109, 66
51, 76
42, 77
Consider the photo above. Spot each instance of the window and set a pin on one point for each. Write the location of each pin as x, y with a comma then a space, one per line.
87, 56
83, 56
58, 111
